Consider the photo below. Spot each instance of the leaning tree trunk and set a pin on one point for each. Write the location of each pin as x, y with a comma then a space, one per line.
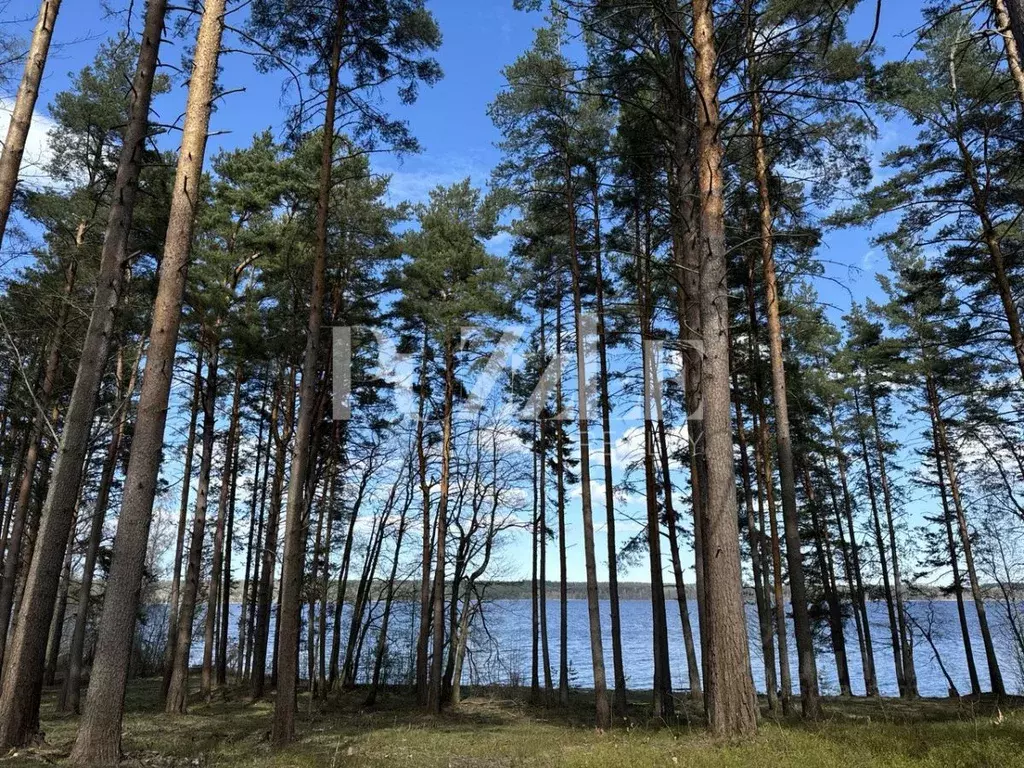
731, 703
11, 706
99, 734
24, 107
1009, 28
176, 701
70, 697
958, 586
857, 581
994, 673
19, 700
179, 542
283, 729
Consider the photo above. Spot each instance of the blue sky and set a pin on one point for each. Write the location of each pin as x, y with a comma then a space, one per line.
450, 120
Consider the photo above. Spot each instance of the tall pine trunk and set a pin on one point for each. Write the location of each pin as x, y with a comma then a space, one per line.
283, 729
663, 705
618, 668
603, 707
783, 441
731, 703
64, 486
99, 733
434, 687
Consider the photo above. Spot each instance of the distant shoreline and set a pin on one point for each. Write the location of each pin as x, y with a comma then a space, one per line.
576, 590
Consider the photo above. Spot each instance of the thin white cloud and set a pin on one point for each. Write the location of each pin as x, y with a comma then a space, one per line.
37, 146
413, 180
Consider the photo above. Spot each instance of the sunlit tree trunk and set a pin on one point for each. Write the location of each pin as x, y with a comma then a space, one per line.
99, 733
808, 669
731, 703
1009, 15
24, 108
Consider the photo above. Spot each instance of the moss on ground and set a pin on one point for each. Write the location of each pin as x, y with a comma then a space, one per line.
500, 729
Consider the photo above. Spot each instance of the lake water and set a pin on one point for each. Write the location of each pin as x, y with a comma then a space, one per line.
501, 646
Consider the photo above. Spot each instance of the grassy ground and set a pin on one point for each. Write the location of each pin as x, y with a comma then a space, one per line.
502, 730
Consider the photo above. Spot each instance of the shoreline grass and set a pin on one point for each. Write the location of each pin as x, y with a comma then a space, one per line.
500, 728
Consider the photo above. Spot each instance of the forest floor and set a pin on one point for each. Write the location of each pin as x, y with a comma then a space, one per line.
500, 729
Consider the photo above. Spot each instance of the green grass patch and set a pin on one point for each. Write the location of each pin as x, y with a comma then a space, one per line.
500, 728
